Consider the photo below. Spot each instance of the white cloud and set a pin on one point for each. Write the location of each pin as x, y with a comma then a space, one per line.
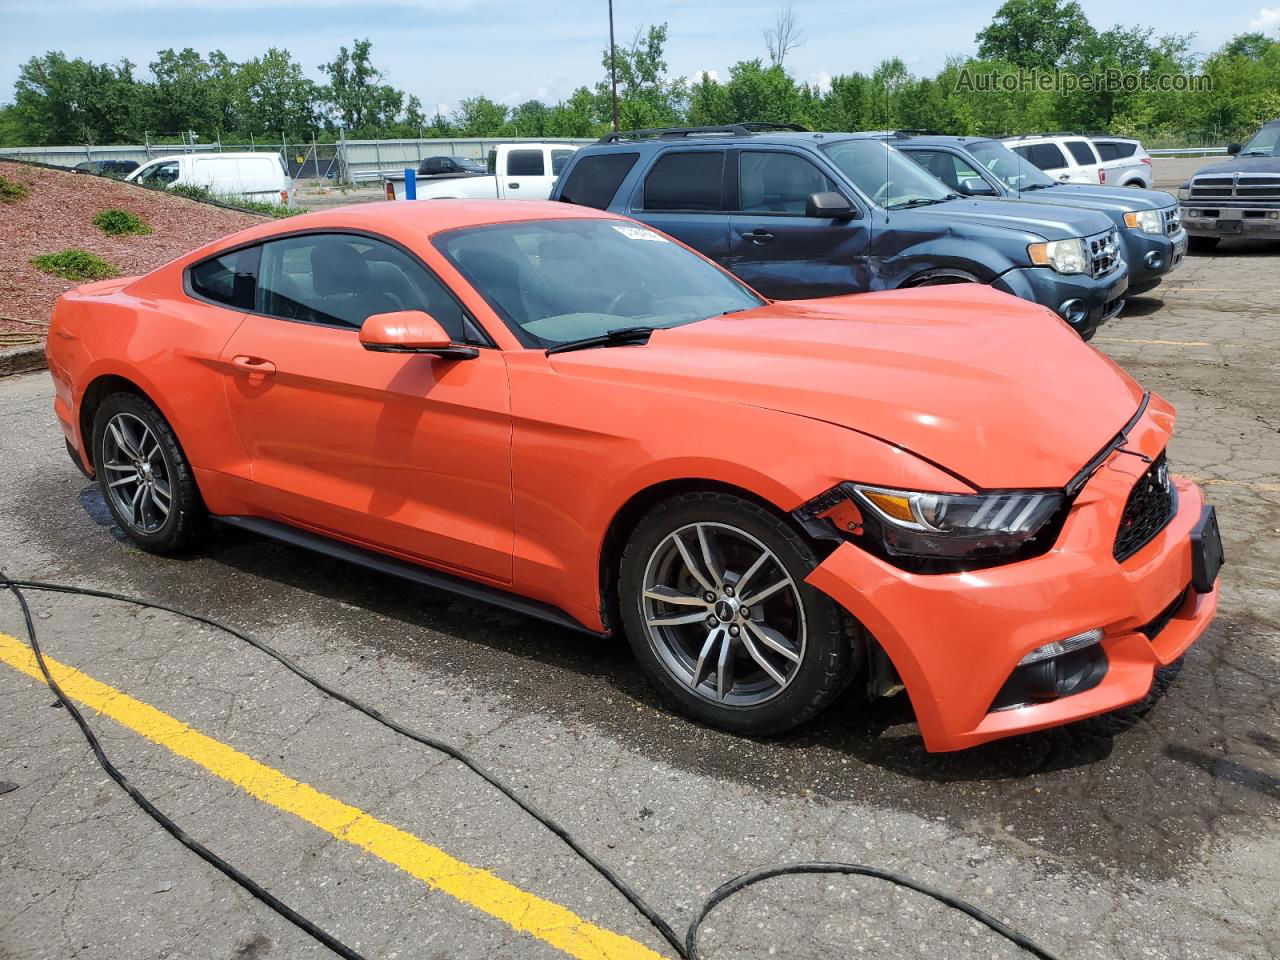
821, 80
699, 74
1268, 20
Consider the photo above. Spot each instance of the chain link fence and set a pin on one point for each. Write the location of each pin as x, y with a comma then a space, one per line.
346, 161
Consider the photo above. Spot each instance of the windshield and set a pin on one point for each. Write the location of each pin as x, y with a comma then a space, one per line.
884, 175
466, 163
1014, 171
563, 280
1265, 143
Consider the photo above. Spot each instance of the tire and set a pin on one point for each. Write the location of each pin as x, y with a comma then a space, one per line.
118, 432
744, 698
1202, 244
939, 278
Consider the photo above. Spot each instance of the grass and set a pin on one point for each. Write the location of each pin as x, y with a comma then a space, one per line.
78, 265
277, 210
11, 191
121, 223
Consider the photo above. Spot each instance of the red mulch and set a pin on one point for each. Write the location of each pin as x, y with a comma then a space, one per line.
58, 213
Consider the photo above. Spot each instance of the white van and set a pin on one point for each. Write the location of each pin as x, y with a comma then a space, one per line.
253, 176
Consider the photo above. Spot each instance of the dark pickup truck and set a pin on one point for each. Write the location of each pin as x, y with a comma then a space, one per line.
452, 167
1147, 221
798, 214
1238, 198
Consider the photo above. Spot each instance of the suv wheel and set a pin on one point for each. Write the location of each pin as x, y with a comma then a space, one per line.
144, 475
715, 606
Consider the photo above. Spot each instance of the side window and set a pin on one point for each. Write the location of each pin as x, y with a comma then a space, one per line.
228, 280
1047, 156
558, 160
595, 179
525, 163
950, 168
1108, 151
778, 182
1082, 150
161, 174
343, 279
686, 181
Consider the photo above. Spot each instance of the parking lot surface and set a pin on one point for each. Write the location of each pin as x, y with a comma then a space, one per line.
1151, 833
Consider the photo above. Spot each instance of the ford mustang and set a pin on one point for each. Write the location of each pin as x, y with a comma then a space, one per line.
569, 413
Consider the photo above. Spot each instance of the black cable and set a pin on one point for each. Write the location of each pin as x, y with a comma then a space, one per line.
688, 949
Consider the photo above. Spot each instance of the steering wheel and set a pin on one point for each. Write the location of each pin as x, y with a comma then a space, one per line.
883, 193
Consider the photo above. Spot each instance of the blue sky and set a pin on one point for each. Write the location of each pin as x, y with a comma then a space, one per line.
443, 51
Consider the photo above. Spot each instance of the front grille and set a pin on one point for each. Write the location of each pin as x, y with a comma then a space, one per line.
1149, 508
1263, 187
1104, 253
1172, 219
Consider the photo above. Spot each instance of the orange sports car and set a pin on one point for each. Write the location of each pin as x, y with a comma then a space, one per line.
568, 413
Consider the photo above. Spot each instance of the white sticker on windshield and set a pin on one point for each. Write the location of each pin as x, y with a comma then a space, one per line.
637, 233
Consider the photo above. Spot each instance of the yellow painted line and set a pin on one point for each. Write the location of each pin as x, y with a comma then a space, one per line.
520, 910
1161, 343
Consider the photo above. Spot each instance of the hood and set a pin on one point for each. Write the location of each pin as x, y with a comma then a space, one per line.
1047, 223
1105, 199
990, 387
1243, 165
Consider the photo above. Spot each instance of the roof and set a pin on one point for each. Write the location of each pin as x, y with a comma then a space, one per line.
242, 155
426, 217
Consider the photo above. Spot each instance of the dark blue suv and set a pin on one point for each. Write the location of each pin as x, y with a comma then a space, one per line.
1147, 221
798, 214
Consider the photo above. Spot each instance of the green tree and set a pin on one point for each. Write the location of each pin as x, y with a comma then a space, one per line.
1034, 33
355, 95
575, 117
647, 97
190, 93
62, 101
480, 117
274, 96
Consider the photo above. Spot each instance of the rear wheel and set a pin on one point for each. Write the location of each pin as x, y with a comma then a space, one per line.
715, 606
144, 475
1202, 244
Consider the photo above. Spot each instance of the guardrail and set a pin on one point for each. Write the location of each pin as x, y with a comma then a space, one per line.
1189, 152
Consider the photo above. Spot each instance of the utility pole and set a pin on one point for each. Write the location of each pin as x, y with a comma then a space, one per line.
613, 67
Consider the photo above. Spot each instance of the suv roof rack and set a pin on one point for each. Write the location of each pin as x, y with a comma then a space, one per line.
909, 132
675, 133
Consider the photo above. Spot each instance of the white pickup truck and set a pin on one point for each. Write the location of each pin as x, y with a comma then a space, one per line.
521, 171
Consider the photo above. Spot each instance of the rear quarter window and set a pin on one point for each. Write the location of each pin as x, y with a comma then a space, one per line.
594, 180
229, 280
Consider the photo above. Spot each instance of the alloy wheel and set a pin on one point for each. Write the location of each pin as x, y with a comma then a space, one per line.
723, 614
136, 474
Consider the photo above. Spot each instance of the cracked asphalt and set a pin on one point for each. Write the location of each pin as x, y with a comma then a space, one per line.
1150, 833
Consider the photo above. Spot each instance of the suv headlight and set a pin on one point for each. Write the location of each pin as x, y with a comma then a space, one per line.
1148, 221
1064, 256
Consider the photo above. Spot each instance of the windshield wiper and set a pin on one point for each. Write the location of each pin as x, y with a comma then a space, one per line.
1253, 153
613, 338
1038, 186
920, 202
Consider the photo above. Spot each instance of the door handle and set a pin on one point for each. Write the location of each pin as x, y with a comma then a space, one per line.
758, 236
1064, 176
513, 186
253, 365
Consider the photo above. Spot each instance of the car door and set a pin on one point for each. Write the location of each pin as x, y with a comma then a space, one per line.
774, 246
683, 194
528, 174
408, 453
1088, 165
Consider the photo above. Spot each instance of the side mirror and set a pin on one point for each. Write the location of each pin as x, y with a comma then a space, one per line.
977, 187
411, 331
829, 205
1233, 149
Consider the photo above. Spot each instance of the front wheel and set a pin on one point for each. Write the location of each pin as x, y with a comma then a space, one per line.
144, 475
715, 607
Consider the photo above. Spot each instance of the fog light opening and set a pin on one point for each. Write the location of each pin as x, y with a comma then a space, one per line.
1058, 647
1074, 311
1153, 260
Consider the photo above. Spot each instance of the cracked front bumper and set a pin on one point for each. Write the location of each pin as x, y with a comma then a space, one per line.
956, 638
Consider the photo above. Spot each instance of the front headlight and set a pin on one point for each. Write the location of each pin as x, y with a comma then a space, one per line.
914, 524
1184, 193
1148, 221
1064, 256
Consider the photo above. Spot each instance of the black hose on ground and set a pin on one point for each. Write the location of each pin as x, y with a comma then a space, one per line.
687, 949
